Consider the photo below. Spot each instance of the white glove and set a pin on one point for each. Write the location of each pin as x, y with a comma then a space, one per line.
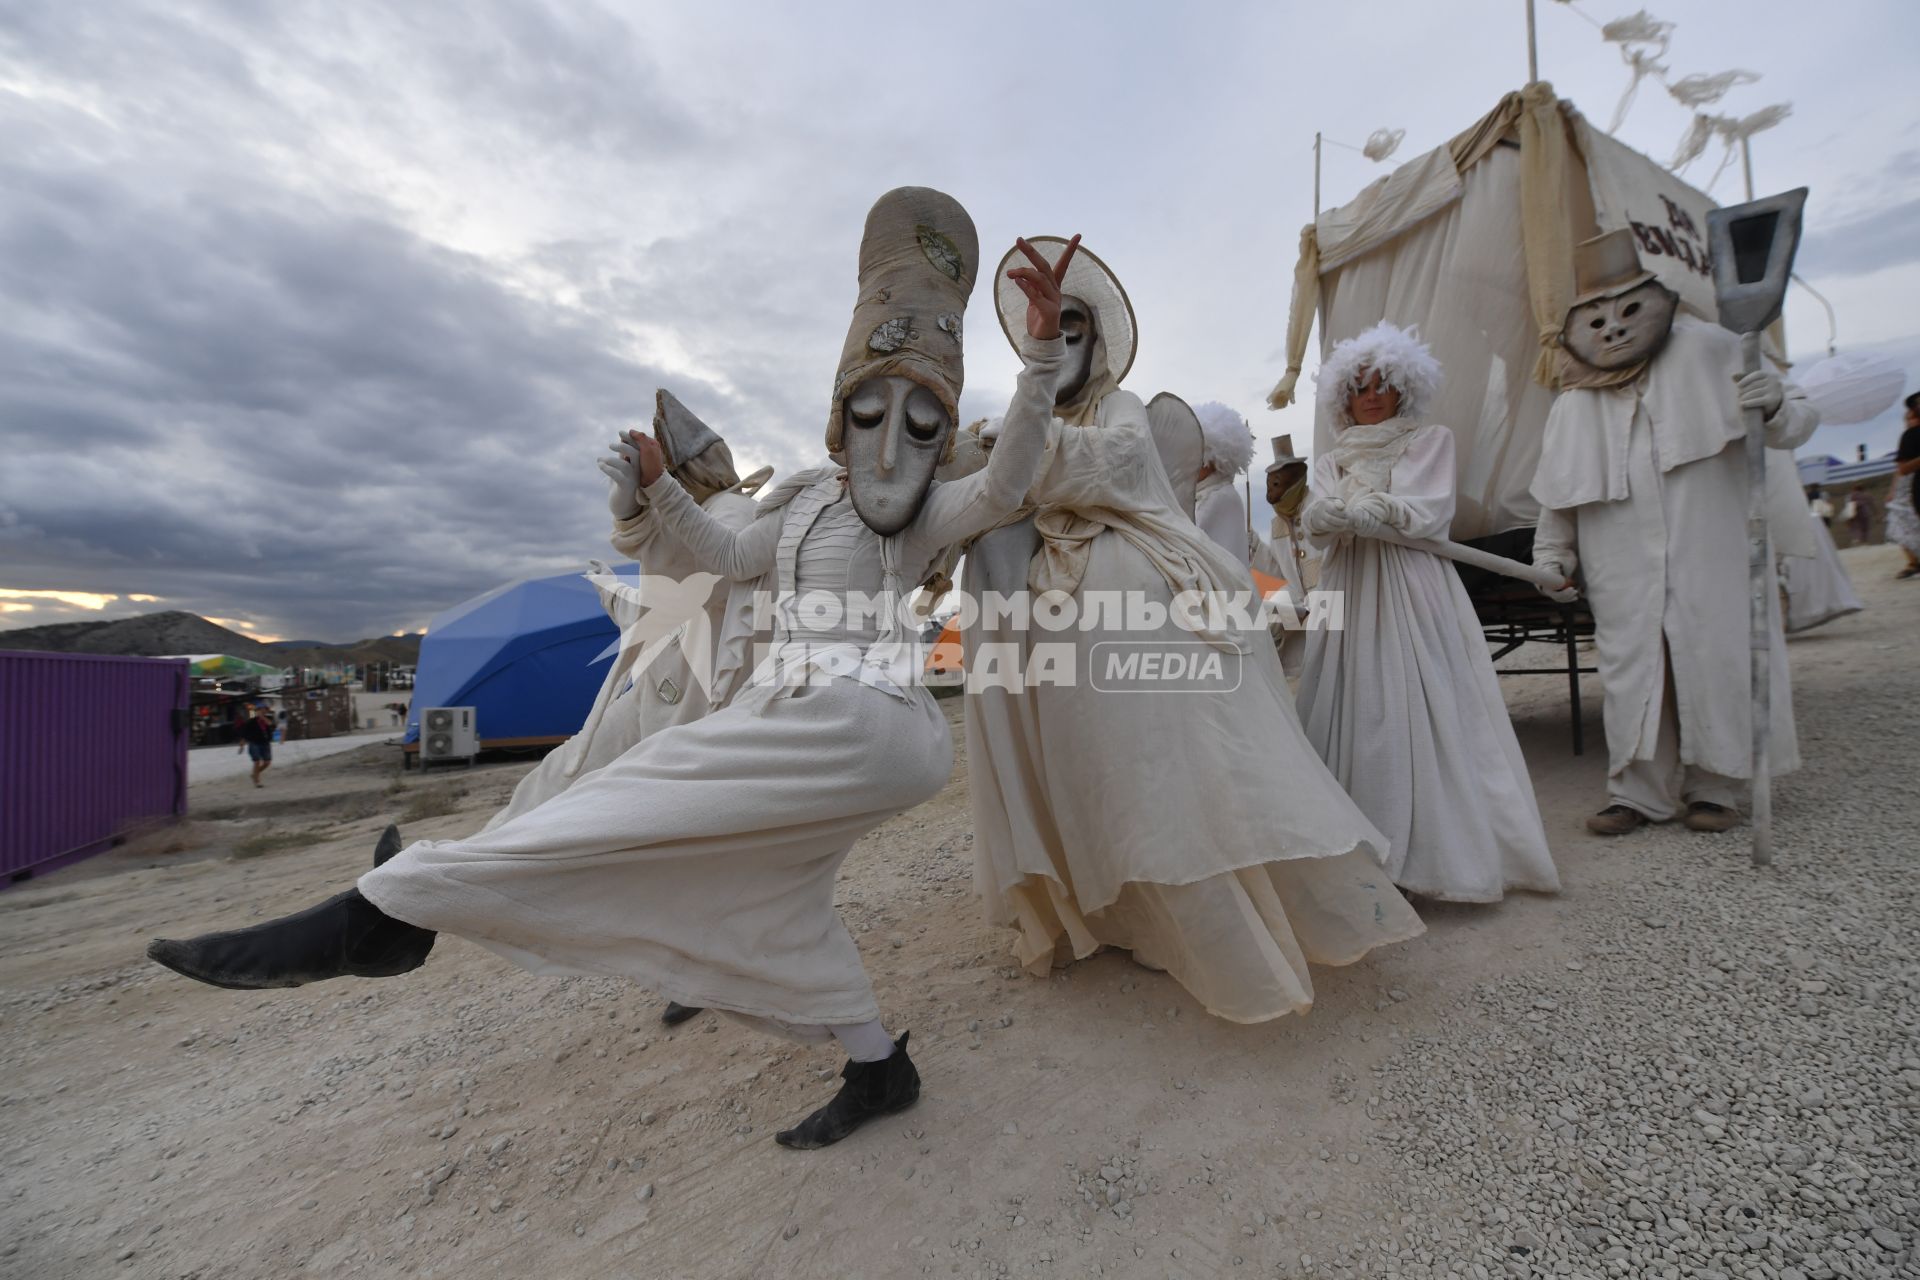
990, 431
1323, 516
1761, 390
1389, 510
1563, 595
1364, 519
622, 468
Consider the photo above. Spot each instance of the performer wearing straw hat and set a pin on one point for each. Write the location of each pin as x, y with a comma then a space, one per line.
1231, 886
1642, 486
702, 862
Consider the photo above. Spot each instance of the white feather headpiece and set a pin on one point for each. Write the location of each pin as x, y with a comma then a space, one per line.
1396, 354
1227, 442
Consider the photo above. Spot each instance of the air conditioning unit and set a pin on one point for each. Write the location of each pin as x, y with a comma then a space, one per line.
448, 733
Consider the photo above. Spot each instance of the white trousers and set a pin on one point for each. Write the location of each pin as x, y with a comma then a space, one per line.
1661, 788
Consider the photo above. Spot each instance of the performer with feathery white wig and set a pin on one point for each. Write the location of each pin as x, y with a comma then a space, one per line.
1403, 703
1218, 507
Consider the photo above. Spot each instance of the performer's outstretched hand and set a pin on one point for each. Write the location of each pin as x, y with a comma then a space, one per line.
627, 467
1041, 284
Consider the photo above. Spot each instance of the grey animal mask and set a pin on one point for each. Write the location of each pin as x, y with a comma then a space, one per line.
895, 434
1621, 331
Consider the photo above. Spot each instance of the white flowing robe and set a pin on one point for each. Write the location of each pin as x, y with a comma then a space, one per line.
663, 693
1194, 827
701, 862
1404, 706
1643, 489
1221, 514
1818, 588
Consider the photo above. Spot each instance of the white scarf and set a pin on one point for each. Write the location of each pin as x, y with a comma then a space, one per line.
1365, 455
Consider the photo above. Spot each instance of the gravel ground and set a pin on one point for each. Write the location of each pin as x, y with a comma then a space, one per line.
1679, 1067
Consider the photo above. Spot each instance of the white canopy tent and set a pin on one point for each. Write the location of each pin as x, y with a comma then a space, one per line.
1473, 243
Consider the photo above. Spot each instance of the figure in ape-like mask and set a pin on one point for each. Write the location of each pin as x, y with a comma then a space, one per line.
1642, 486
701, 863
1232, 882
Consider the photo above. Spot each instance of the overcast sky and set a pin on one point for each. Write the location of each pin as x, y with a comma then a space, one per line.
316, 315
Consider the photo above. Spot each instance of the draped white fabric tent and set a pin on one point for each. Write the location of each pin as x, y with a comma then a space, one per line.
1472, 242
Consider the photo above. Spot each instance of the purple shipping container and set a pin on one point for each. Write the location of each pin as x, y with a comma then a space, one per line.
90, 746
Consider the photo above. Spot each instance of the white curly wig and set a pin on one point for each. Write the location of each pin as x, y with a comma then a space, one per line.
1395, 353
1227, 443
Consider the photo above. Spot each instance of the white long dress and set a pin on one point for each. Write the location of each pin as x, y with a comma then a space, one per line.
1194, 827
1404, 706
1818, 588
1221, 514
1644, 490
663, 693
701, 862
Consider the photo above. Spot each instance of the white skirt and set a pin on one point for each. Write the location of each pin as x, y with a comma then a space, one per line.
1405, 708
701, 862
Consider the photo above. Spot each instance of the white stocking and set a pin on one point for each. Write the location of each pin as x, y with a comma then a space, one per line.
865, 1041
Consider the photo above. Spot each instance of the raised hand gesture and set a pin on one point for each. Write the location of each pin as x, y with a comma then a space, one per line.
1041, 284
635, 461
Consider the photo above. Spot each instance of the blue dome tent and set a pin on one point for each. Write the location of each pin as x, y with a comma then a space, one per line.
528, 656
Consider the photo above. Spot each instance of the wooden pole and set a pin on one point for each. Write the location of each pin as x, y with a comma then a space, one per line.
1759, 632
1533, 49
1316, 177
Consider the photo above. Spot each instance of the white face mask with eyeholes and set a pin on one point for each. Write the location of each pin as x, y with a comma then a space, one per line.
1624, 330
895, 435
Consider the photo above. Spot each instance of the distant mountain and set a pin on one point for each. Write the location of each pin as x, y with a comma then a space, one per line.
156, 635
151, 635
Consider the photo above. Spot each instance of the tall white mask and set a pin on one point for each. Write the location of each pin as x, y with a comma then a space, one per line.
897, 394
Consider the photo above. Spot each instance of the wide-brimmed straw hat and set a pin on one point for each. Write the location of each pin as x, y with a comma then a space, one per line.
1090, 280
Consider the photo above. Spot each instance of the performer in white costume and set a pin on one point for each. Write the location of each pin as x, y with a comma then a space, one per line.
1642, 485
1817, 586
1403, 703
1257, 862
1219, 509
702, 862
646, 692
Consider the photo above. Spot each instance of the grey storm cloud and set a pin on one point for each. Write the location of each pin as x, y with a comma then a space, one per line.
1888, 237
227, 386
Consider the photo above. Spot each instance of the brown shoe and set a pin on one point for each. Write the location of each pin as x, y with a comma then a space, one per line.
1616, 820
1704, 815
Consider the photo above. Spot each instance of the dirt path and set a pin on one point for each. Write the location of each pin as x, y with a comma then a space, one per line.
473, 1121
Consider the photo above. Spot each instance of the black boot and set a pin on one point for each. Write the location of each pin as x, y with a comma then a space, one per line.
676, 1013
872, 1089
345, 936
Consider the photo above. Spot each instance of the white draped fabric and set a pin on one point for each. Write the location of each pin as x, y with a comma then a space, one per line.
1818, 588
1221, 513
1231, 873
1403, 703
662, 694
701, 862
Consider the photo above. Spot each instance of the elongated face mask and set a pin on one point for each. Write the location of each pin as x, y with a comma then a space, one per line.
1613, 333
896, 432
1077, 329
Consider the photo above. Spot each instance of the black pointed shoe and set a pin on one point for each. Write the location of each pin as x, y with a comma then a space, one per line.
345, 936
676, 1013
872, 1090
388, 846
